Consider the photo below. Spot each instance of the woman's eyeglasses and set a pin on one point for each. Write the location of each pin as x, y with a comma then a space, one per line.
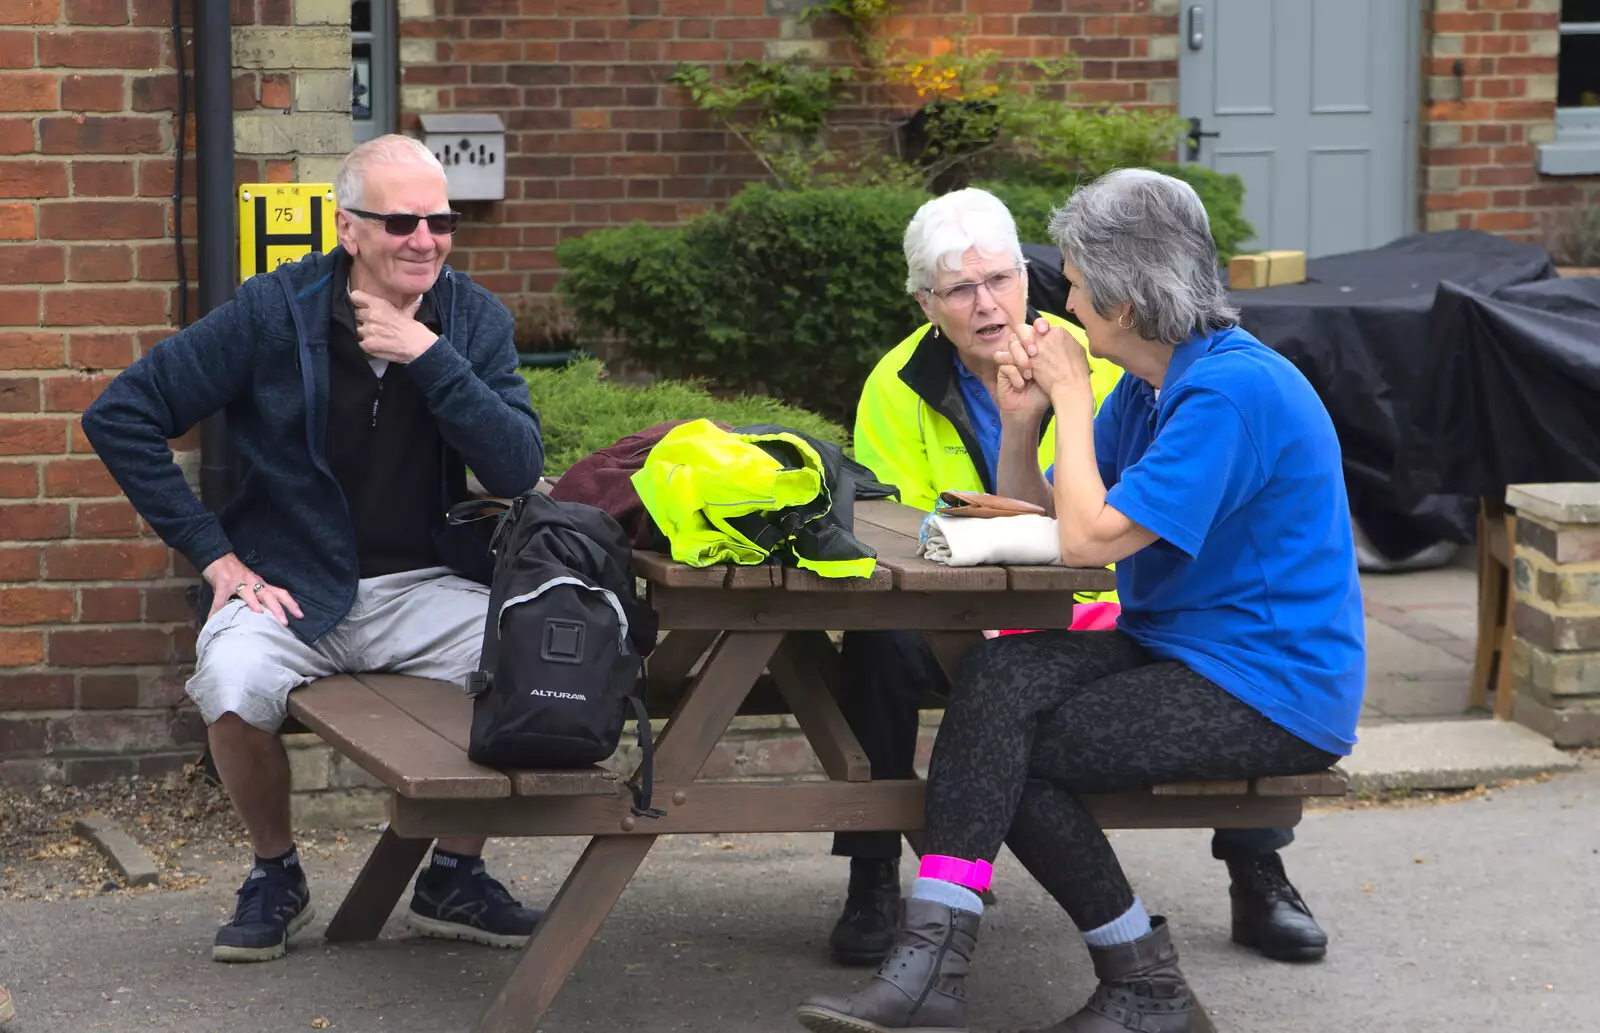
962, 295
403, 224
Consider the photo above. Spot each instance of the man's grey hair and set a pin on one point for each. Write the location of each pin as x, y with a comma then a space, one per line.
1144, 238
945, 228
350, 181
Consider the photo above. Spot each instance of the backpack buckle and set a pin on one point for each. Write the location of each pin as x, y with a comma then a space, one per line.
478, 682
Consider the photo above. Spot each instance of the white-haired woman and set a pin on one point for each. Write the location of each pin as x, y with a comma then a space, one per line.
929, 420
1211, 477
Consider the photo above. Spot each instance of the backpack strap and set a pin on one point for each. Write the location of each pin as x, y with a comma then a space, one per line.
482, 680
641, 793
479, 681
475, 510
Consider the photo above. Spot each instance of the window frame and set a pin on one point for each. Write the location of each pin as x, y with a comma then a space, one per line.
1575, 151
383, 72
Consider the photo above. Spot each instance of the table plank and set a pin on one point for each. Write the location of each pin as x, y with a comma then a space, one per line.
446, 711
797, 580
913, 573
816, 806
1056, 579
660, 569
891, 516
390, 744
906, 521
777, 610
806, 668
1331, 782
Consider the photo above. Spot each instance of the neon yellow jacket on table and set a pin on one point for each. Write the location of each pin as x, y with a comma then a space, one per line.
912, 428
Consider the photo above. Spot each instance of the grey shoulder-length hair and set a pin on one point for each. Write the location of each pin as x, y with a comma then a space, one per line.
1144, 238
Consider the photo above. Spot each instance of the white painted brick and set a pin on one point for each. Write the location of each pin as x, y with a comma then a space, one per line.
316, 168
419, 98
418, 51
322, 91
278, 49
322, 12
273, 133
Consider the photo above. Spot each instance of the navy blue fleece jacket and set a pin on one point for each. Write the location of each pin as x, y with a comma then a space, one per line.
262, 359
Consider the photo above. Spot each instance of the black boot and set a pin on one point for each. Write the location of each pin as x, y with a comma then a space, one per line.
1269, 913
865, 931
1141, 989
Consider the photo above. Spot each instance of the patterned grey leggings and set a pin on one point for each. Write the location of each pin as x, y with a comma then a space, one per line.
1039, 718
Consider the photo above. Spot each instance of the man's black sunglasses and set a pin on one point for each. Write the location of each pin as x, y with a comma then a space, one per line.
403, 224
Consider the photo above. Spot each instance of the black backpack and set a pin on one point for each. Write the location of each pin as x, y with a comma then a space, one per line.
564, 641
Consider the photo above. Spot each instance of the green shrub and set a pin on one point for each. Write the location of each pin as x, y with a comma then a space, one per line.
794, 293
1032, 194
790, 293
581, 412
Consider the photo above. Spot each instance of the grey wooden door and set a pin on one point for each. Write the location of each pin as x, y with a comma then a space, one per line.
1311, 102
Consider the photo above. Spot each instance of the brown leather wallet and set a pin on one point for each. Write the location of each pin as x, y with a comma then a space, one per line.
982, 504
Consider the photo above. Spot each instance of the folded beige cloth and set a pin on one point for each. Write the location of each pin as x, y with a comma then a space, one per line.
964, 542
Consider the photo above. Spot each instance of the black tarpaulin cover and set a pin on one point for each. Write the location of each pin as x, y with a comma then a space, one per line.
1517, 399
1361, 329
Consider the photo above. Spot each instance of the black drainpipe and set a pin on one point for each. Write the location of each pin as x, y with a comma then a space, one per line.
213, 91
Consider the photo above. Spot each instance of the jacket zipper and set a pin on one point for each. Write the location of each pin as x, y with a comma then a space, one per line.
377, 399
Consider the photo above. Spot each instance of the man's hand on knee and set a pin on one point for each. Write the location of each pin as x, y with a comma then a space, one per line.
229, 577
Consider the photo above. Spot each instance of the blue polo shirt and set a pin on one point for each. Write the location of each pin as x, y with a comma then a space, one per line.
1253, 581
984, 416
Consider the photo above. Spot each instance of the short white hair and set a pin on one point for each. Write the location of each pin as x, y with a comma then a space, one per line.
1142, 237
349, 183
946, 228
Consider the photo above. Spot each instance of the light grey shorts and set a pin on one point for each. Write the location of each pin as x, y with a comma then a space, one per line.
425, 623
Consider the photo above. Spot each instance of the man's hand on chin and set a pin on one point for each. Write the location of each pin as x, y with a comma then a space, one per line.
387, 332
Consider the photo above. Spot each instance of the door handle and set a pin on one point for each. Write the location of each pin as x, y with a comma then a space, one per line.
1195, 135
1197, 27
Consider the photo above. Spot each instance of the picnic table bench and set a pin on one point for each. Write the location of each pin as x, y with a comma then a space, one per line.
737, 636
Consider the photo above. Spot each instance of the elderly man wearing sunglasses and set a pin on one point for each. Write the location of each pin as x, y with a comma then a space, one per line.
358, 386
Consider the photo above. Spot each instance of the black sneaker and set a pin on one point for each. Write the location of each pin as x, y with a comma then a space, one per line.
468, 904
274, 904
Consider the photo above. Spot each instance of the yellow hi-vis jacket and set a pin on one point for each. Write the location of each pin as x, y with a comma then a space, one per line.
912, 428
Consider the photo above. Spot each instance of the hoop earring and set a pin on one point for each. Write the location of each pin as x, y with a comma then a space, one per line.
1127, 321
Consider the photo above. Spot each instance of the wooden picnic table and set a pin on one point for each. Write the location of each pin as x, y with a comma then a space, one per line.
726, 627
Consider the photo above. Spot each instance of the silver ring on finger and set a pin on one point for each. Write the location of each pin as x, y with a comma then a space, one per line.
258, 586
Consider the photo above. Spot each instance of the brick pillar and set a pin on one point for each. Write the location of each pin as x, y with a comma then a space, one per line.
1556, 656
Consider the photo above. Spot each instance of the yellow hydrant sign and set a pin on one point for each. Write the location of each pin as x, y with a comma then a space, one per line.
283, 222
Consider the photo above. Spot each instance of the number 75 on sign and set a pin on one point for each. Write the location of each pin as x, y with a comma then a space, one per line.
283, 222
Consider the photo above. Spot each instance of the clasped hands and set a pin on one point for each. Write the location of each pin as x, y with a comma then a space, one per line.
1040, 365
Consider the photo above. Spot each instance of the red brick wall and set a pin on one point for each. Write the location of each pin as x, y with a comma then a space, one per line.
1490, 86
93, 624
597, 136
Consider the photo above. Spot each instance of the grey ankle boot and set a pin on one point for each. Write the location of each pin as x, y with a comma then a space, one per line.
1140, 989
920, 986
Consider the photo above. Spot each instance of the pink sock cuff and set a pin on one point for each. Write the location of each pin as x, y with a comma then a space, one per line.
974, 875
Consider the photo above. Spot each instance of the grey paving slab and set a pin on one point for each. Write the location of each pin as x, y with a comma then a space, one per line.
1450, 755
1473, 917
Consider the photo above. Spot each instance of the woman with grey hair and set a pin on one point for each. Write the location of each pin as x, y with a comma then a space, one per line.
928, 422
1211, 477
